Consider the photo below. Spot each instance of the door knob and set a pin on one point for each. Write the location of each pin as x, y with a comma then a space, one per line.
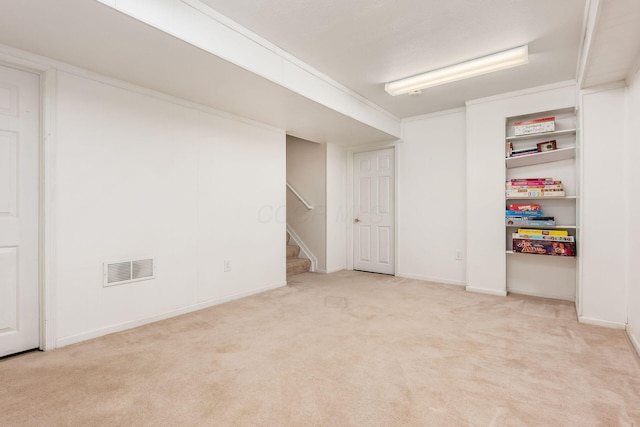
357, 220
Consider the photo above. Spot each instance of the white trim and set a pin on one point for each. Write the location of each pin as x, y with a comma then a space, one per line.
436, 280
584, 53
166, 315
15, 58
373, 147
434, 115
634, 341
330, 270
486, 291
48, 326
604, 323
302, 199
570, 298
529, 91
28, 60
349, 211
579, 176
304, 249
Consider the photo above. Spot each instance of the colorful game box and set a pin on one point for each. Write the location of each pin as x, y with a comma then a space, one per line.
541, 247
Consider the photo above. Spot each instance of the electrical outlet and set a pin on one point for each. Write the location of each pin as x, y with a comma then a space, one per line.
458, 254
227, 265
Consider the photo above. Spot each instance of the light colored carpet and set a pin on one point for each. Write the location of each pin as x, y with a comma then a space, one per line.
347, 349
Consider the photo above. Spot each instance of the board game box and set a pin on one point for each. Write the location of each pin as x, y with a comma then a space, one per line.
541, 247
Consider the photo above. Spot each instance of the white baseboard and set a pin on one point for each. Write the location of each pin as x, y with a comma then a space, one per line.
431, 279
633, 339
486, 291
61, 342
604, 323
330, 270
541, 295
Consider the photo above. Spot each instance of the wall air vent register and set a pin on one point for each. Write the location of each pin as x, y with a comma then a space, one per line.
121, 272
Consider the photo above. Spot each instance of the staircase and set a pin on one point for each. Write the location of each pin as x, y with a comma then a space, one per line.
295, 265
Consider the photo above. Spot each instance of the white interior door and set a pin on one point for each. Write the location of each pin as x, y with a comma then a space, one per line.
19, 194
374, 197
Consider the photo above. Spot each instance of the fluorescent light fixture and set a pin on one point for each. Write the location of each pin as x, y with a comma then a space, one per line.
464, 70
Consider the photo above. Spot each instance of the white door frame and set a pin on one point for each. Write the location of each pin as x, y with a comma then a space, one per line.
351, 202
46, 69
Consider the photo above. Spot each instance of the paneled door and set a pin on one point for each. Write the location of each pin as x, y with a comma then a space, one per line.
19, 195
374, 201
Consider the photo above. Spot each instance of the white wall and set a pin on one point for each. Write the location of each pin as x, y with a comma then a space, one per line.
307, 173
431, 197
604, 181
337, 212
633, 225
486, 131
140, 176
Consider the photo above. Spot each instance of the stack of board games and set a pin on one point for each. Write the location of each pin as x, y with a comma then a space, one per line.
534, 187
544, 242
529, 214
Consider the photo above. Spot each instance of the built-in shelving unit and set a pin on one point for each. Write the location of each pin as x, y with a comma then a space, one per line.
544, 275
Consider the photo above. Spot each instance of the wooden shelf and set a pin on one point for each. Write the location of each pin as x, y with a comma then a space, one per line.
541, 135
538, 158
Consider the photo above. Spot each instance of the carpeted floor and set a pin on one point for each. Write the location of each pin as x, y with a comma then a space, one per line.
346, 349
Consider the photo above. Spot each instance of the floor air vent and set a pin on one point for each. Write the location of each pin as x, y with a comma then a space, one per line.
118, 273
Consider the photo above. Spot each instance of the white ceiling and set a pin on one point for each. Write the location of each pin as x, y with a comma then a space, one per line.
359, 43
366, 43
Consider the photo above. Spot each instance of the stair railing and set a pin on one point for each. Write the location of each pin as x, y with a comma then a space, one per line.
295, 193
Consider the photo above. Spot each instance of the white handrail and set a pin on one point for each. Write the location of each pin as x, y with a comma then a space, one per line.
304, 202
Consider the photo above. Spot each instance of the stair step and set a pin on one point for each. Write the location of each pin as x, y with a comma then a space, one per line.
293, 251
297, 266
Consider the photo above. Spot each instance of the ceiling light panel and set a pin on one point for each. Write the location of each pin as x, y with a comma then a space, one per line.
464, 70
